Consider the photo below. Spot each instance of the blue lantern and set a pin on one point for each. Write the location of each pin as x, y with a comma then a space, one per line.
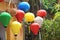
24, 6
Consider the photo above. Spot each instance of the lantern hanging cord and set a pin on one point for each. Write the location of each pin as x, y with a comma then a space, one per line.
14, 4
10, 1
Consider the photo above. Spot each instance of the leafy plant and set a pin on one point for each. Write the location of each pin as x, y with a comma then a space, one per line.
51, 28
56, 8
49, 5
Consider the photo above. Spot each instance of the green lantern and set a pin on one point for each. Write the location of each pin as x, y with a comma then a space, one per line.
5, 18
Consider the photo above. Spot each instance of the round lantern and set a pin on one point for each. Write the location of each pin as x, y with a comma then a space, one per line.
5, 18
15, 27
39, 20
34, 27
41, 13
1, 0
20, 15
29, 17
24, 6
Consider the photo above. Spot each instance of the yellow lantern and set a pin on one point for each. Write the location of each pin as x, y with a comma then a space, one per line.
15, 27
29, 17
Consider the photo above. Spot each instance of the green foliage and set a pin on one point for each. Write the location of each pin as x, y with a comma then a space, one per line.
50, 5
56, 8
57, 15
51, 28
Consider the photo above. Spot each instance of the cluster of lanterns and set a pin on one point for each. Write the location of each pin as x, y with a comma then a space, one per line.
36, 22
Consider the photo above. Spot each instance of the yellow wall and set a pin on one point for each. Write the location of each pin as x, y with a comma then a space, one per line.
10, 35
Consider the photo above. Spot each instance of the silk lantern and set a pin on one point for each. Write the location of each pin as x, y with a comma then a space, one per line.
29, 17
34, 27
39, 20
25, 6
20, 15
15, 27
1, 0
5, 18
41, 13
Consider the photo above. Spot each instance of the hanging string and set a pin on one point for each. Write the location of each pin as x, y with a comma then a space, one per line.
9, 4
14, 5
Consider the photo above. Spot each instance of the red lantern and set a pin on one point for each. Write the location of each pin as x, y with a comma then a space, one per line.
1, 0
34, 27
20, 15
41, 13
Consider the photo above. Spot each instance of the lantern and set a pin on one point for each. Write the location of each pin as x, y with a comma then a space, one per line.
1, 0
15, 27
5, 18
19, 15
29, 17
34, 27
39, 20
24, 6
41, 13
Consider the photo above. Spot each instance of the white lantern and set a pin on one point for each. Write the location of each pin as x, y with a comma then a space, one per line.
39, 20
